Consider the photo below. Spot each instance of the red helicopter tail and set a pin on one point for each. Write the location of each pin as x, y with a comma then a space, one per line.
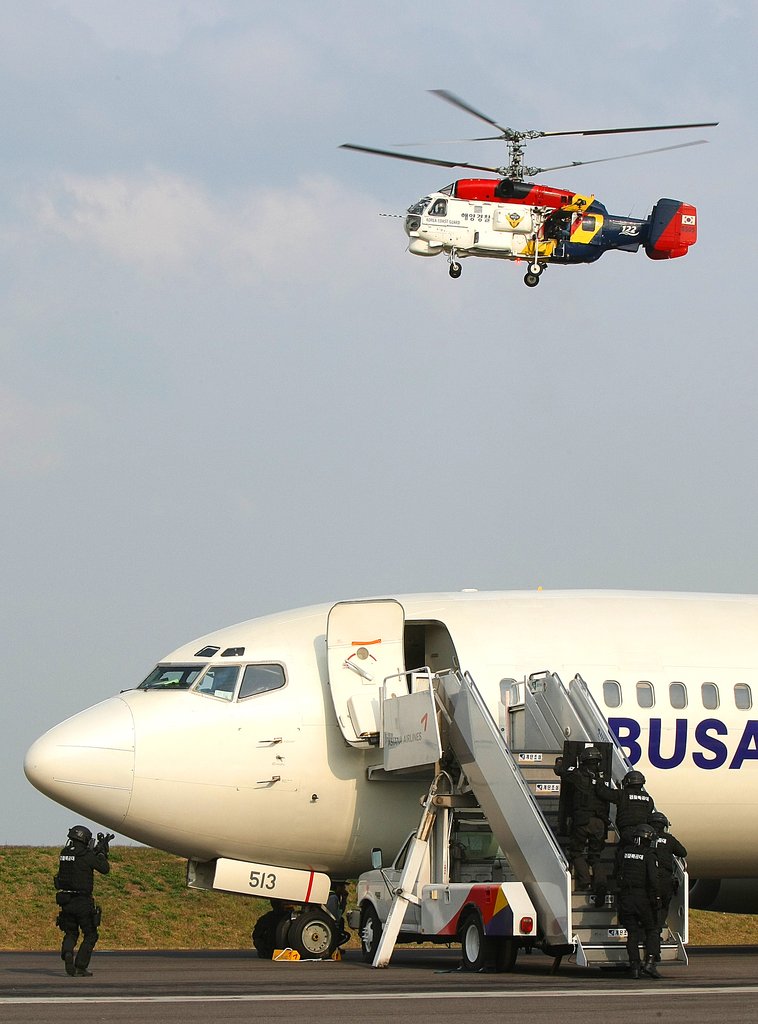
672, 229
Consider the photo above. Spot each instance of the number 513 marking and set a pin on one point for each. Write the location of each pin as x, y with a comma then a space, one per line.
262, 880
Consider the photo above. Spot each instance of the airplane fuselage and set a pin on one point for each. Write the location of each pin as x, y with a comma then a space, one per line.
262, 770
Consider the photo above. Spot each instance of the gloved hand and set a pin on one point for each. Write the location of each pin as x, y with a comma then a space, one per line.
103, 841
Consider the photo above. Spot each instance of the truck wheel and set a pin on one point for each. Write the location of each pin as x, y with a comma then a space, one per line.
475, 946
313, 934
371, 932
506, 952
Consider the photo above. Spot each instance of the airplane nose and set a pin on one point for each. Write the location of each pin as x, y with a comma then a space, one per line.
87, 762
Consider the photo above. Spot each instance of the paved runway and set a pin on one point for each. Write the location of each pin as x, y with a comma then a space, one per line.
188, 987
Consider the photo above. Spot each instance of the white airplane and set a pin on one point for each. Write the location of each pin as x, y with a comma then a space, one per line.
255, 747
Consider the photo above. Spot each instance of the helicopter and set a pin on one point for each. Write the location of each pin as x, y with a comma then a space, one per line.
510, 218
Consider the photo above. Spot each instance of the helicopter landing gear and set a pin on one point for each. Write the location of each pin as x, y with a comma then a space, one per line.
533, 274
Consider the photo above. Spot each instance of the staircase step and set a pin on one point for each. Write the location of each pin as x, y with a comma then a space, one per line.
607, 954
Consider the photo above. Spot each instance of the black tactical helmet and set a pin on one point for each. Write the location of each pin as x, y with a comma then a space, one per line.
633, 779
590, 755
643, 833
80, 833
659, 821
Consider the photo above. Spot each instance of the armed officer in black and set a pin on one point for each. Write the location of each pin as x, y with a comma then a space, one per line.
637, 878
79, 859
666, 847
634, 805
589, 815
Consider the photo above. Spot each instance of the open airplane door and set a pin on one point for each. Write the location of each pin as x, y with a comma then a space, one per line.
364, 642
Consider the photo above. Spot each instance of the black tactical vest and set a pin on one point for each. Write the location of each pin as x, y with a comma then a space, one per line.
634, 868
634, 808
74, 873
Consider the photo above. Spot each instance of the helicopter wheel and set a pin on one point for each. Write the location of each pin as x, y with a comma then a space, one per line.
531, 280
455, 270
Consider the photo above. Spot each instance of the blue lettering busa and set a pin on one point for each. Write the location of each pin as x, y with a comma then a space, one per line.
709, 751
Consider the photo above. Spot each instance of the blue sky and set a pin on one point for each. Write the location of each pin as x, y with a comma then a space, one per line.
227, 389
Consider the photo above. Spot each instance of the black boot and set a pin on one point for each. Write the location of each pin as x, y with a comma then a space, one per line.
634, 970
650, 969
68, 959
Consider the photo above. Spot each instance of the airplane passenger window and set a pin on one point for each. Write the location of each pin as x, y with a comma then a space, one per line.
260, 679
219, 681
678, 695
743, 698
710, 694
171, 677
612, 693
645, 694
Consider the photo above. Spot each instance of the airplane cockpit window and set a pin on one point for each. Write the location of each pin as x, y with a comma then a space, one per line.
171, 677
710, 694
743, 698
678, 696
420, 206
260, 679
612, 693
219, 681
645, 694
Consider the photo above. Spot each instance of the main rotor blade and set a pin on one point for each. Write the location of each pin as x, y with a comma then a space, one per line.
511, 134
421, 159
457, 102
621, 131
624, 156
448, 142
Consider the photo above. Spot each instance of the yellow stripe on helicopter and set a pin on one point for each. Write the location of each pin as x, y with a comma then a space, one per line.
578, 203
585, 227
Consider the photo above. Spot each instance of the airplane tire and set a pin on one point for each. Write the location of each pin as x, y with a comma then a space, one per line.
370, 932
266, 932
476, 948
506, 952
314, 935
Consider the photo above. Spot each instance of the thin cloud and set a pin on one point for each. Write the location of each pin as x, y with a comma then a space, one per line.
166, 223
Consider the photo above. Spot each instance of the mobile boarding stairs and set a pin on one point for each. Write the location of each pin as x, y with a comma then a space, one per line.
506, 767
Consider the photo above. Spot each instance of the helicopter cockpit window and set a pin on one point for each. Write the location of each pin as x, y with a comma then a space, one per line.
171, 677
420, 206
438, 208
448, 189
